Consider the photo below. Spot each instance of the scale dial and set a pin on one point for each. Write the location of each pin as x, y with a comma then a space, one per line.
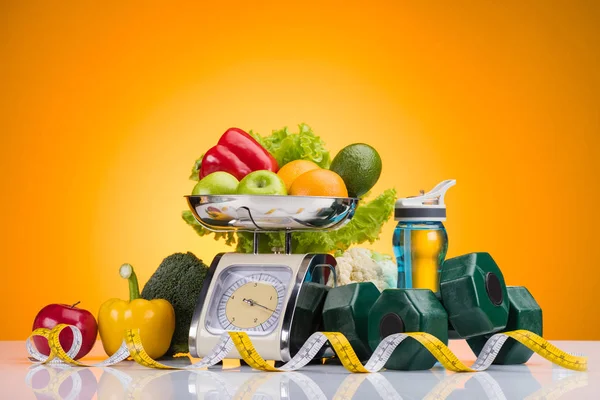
251, 303
249, 298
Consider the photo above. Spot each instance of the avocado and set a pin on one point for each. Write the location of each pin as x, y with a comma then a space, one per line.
359, 165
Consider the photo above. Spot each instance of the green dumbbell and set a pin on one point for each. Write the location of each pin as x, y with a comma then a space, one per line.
473, 303
307, 314
524, 313
346, 310
407, 310
474, 294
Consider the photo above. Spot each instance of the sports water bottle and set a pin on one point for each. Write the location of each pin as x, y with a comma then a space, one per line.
420, 240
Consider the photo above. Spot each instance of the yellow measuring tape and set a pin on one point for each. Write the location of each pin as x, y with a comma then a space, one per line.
132, 347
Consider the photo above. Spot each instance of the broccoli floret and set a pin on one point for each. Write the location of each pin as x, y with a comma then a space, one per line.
178, 280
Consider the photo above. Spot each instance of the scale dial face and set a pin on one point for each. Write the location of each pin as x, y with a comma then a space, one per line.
248, 298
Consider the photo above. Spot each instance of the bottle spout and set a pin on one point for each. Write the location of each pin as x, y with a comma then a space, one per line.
428, 206
439, 191
435, 197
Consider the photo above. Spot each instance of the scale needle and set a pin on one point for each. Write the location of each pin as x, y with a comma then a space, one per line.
253, 303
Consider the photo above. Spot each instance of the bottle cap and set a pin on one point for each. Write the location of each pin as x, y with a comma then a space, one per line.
428, 206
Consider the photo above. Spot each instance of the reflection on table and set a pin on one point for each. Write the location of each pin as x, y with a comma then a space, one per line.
314, 382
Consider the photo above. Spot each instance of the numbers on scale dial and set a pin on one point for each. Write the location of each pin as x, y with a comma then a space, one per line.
252, 303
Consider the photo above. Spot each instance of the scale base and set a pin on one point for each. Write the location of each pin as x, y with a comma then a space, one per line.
300, 313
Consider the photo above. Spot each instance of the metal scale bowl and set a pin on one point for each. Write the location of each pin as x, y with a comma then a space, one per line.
276, 298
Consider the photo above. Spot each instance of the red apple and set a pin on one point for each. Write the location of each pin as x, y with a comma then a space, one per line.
55, 314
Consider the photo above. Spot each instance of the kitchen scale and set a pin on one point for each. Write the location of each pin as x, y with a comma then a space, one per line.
275, 298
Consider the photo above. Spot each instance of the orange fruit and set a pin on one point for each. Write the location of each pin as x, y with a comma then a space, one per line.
290, 171
319, 182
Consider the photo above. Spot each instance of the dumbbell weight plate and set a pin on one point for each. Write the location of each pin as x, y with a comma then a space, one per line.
524, 313
474, 295
407, 310
346, 310
307, 315
451, 332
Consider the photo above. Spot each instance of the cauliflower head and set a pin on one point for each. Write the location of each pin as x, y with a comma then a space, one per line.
364, 265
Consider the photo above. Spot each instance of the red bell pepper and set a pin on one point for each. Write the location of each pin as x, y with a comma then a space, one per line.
237, 153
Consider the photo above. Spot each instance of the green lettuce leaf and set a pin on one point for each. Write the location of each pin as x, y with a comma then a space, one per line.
228, 237
195, 176
286, 146
365, 226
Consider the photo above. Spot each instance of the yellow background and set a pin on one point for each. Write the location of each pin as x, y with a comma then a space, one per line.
104, 108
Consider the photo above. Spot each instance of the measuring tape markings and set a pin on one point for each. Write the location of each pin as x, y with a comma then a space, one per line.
547, 350
59, 356
136, 349
435, 346
383, 352
345, 352
306, 353
132, 346
39, 358
248, 352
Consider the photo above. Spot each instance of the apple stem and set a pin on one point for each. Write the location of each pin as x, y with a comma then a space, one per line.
126, 271
73, 306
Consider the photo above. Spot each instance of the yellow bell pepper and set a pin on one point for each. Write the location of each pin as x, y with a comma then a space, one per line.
154, 318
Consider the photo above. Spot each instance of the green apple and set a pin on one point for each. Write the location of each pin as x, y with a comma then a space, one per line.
262, 182
216, 183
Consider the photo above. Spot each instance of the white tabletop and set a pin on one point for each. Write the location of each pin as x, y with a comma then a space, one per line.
537, 379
